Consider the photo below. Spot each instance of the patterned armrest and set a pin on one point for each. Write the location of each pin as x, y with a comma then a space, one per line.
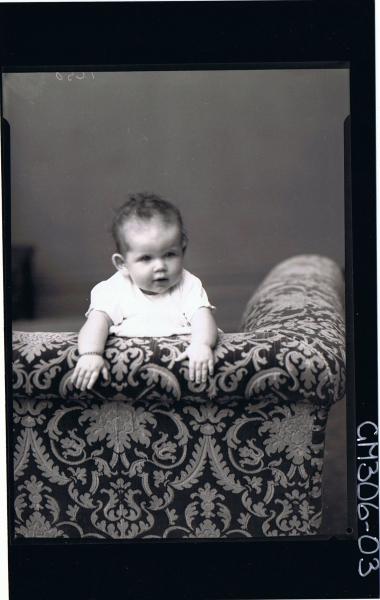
301, 305
151, 454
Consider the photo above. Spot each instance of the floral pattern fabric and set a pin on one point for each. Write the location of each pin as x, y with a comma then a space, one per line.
150, 454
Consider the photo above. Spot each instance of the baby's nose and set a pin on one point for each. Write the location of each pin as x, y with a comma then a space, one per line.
159, 264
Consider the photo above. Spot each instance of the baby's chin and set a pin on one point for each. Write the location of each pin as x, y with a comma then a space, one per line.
161, 285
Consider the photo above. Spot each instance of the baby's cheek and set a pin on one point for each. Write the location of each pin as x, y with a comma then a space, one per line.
180, 266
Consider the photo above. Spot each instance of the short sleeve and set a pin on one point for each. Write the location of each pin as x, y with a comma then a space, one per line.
194, 296
104, 298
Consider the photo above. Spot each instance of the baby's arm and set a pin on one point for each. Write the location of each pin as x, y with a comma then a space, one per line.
92, 339
203, 339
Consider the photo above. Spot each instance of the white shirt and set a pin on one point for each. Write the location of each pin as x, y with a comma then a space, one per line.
134, 313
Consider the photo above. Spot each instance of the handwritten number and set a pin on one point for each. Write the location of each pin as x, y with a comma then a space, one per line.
367, 544
79, 76
368, 537
367, 483
371, 567
371, 471
363, 505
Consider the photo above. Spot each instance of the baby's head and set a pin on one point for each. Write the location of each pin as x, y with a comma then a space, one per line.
150, 242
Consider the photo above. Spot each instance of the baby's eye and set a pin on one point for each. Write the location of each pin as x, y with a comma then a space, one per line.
171, 253
144, 258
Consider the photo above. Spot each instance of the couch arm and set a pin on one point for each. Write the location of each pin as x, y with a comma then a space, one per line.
302, 302
292, 349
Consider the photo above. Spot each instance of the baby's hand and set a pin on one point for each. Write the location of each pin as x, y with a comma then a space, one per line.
87, 371
201, 361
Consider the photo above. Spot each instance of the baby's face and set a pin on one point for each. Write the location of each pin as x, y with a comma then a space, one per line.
154, 259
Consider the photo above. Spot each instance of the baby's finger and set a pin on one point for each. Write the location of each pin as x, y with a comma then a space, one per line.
191, 371
92, 380
74, 375
77, 378
105, 373
198, 373
204, 372
211, 367
85, 381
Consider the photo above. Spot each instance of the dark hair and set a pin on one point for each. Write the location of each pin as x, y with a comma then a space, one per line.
145, 206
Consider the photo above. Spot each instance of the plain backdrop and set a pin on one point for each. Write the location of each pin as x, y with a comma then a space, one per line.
254, 159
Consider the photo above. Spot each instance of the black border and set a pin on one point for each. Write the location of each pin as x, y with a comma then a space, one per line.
222, 35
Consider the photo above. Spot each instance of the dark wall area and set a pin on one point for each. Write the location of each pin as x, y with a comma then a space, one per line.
254, 160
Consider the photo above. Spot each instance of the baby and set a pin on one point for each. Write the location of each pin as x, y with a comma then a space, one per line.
151, 294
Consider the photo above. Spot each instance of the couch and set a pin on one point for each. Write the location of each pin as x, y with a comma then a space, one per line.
150, 454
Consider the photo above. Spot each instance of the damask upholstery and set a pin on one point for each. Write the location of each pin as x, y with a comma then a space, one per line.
150, 454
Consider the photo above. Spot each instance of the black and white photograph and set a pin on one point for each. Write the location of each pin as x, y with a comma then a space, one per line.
181, 304
205, 397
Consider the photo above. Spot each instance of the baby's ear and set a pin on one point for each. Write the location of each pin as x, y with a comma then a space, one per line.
119, 263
